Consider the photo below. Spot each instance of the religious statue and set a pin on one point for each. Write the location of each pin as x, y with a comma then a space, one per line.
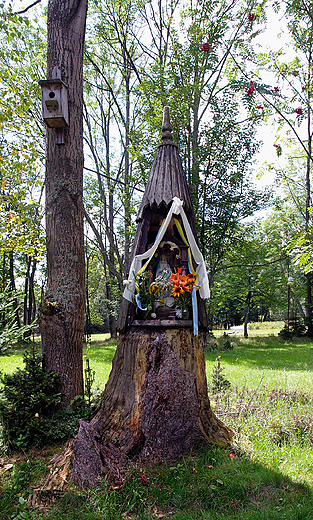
162, 280
163, 269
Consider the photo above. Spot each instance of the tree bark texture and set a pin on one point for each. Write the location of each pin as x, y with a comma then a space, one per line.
62, 312
155, 404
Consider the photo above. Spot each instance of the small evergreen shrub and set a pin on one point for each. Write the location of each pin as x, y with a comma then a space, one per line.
28, 407
210, 347
296, 328
285, 333
219, 381
227, 345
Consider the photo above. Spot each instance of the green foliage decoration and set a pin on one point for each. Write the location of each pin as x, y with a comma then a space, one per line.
28, 407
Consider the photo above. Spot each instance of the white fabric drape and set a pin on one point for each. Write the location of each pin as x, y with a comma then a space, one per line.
176, 209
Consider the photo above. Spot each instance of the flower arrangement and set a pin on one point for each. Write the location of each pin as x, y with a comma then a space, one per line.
182, 288
144, 298
174, 291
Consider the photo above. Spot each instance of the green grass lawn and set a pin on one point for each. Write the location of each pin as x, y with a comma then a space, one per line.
287, 364
267, 474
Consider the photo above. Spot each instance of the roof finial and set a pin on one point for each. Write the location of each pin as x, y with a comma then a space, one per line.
166, 126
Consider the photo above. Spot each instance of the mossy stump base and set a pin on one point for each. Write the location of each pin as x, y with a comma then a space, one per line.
155, 404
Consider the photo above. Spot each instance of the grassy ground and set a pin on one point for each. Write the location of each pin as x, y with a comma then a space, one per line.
268, 473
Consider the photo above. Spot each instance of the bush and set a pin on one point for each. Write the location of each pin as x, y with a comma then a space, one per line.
28, 407
285, 333
227, 345
219, 381
296, 328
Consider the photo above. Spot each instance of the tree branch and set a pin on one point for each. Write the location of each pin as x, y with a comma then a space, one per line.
29, 7
106, 259
276, 109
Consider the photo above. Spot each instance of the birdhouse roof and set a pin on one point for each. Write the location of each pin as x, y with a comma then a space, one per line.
167, 179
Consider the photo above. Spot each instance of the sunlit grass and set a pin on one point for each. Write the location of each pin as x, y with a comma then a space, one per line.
100, 354
287, 364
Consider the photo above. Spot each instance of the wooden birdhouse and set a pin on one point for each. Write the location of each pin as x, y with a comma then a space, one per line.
54, 101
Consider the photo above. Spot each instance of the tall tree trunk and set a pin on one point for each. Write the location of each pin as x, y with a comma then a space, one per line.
62, 312
308, 305
245, 323
31, 293
108, 276
308, 204
248, 309
87, 328
112, 318
13, 287
127, 197
26, 288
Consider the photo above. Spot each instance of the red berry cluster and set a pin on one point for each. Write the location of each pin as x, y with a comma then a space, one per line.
205, 47
251, 17
251, 89
298, 111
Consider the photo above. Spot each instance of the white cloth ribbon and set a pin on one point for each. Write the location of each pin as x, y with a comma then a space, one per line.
175, 209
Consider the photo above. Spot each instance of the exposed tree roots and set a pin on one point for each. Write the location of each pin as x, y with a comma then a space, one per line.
155, 407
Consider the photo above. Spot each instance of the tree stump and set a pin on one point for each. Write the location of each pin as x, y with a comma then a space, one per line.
155, 404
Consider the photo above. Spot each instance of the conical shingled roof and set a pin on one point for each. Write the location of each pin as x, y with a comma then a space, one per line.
167, 179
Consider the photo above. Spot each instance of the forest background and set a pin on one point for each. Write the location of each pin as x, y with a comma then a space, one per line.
205, 61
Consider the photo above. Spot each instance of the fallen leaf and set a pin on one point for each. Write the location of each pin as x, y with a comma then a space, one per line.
158, 514
143, 479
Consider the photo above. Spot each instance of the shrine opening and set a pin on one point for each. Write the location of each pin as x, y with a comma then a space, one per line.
155, 404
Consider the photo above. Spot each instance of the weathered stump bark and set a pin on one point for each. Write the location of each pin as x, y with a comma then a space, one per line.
155, 403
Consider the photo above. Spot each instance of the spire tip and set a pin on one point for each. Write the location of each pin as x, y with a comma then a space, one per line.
166, 126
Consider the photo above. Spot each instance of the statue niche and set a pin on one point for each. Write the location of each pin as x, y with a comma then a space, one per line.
170, 257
